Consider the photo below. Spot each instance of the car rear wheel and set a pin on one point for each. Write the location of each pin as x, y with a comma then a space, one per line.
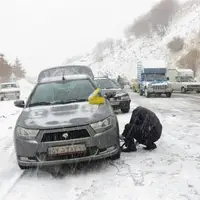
183, 90
141, 93
168, 95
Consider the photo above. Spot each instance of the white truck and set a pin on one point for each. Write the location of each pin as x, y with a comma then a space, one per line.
9, 90
182, 80
152, 79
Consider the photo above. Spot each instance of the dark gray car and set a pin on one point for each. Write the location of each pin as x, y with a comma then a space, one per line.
120, 98
58, 125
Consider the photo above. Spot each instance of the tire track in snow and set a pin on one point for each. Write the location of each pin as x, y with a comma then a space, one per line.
6, 185
9, 173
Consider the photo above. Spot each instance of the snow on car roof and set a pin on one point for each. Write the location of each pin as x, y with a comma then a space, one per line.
97, 78
68, 77
154, 64
7, 83
184, 70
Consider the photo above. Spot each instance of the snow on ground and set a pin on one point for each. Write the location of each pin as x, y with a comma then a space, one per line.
9, 173
25, 87
171, 172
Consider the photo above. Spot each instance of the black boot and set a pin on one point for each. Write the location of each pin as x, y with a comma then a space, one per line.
151, 146
130, 147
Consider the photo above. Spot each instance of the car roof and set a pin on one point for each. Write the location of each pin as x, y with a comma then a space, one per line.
101, 78
68, 77
8, 83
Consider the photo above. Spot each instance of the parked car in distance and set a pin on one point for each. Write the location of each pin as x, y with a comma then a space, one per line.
9, 91
135, 85
59, 125
120, 99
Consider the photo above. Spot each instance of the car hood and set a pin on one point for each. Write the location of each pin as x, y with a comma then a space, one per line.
118, 91
76, 114
192, 83
9, 90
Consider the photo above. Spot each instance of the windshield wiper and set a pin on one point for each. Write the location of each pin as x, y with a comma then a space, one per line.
110, 88
39, 104
69, 101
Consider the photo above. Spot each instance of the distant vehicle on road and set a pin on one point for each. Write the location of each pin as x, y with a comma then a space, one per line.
120, 99
123, 81
152, 79
9, 91
135, 85
182, 80
60, 123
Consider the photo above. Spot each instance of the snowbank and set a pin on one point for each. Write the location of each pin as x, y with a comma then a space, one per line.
25, 87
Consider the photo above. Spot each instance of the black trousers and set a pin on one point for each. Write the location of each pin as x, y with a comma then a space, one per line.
132, 132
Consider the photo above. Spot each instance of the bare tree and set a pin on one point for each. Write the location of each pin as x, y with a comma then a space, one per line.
5, 68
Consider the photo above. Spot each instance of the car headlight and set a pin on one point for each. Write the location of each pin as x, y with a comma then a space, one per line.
102, 125
27, 134
125, 97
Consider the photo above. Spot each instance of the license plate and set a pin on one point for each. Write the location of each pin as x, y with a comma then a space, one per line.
70, 149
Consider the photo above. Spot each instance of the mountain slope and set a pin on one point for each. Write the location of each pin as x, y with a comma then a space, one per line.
124, 55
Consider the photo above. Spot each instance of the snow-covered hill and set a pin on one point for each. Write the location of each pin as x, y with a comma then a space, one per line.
122, 60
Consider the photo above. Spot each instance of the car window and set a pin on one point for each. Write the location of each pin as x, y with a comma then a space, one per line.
107, 84
62, 91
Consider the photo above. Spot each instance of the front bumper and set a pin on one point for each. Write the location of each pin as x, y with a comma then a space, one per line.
9, 96
159, 90
99, 146
118, 104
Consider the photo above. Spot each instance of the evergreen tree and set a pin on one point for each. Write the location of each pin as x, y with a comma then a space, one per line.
17, 69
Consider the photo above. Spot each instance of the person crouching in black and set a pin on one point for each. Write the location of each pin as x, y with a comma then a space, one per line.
144, 127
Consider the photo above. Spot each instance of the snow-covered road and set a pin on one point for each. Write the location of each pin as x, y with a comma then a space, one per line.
171, 172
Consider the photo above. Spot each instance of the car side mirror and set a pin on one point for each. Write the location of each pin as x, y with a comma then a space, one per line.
19, 103
168, 78
109, 95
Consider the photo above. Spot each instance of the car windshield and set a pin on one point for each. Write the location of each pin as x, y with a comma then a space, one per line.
107, 84
155, 77
186, 79
61, 92
5, 86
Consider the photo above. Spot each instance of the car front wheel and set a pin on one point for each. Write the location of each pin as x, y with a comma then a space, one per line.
126, 108
116, 156
24, 167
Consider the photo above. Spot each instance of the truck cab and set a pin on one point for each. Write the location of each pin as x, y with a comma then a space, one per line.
153, 80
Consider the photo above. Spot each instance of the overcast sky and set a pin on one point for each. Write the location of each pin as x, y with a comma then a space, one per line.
43, 33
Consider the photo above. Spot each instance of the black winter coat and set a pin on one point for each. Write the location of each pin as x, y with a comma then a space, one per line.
144, 126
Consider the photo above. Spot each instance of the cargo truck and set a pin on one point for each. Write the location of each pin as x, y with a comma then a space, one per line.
152, 79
